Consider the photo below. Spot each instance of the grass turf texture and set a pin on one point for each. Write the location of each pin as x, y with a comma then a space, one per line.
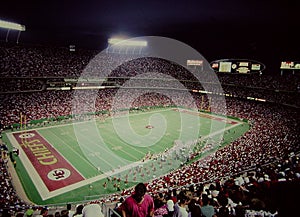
167, 127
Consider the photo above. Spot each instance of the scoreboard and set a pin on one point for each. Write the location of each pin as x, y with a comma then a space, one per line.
238, 66
290, 65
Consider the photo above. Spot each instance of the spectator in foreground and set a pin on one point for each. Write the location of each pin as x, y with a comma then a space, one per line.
170, 205
29, 212
78, 212
194, 209
160, 208
64, 213
70, 211
92, 210
207, 209
183, 202
139, 204
43, 213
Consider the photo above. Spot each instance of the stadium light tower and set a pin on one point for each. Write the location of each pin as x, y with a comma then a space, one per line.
12, 26
124, 42
121, 45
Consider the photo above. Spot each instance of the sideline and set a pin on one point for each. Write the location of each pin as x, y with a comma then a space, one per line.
21, 192
17, 183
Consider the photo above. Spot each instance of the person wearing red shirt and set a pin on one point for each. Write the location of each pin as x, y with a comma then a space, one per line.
139, 204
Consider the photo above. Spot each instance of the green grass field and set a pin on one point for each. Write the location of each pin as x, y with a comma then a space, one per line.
113, 150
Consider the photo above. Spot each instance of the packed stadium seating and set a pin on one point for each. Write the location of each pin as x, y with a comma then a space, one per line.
248, 173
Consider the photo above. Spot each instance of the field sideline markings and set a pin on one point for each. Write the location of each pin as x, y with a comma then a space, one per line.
133, 114
31, 171
84, 121
85, 136
94, 142
122, 169
105, 175
111, 173
69, 148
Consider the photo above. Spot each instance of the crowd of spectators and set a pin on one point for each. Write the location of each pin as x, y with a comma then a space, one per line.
8, 85
41, 61
9, 198
271, 138
241, 179
286, 82
25, 68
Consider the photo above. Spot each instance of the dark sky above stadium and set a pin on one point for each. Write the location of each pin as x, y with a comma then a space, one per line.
254, 29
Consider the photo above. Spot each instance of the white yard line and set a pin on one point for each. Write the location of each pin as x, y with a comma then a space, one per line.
42, 189
121, 169
84, 121
76, 153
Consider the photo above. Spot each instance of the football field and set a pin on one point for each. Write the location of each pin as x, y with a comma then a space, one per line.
88, 159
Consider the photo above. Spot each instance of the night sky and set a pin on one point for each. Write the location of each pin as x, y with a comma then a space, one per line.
263, 30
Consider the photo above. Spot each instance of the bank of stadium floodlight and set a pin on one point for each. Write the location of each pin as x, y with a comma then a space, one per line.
11, 26
125, 42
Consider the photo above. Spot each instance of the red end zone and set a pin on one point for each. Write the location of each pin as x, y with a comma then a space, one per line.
53, 169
